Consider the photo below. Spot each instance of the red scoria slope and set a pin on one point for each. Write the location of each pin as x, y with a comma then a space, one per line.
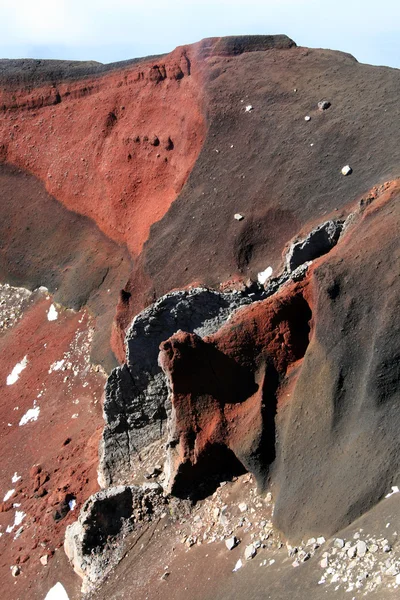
116, 148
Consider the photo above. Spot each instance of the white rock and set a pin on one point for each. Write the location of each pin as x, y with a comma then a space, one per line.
52, 314
361, 548
351, 552
238, 566
249, 108
307, 118
264, 275
393, 571
31, 415
8, 495
250, 552
15, 571
44, 559
324, 563
17, 370
231, 542
242, 507
346, 170
339, 543
395, 490
321, 540
397, 579
57, 592
238, 217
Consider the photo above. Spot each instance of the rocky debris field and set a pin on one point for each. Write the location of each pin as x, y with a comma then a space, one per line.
51, 399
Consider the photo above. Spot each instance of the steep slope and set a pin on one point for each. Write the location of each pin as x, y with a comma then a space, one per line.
256, 295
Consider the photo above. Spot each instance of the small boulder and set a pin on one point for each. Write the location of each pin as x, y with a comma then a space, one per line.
347, 170
250, 552
231, 542
323, 105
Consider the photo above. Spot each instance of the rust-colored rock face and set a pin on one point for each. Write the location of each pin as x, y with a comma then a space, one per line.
225, 390
116, 148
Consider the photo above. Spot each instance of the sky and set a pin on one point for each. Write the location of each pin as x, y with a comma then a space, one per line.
111, 30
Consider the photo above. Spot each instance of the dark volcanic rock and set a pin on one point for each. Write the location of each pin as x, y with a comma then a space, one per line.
94, 543
135, 405
317, 243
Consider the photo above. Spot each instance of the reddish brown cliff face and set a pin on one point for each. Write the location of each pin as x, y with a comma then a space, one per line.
225, 390
116, 148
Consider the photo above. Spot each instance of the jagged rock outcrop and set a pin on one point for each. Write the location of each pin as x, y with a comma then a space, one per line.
95, 542
136, 398
224, 392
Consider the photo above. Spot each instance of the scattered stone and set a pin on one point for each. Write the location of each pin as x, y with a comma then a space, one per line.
321, 540
57, 592
304, 556
323, 105
393, 571
165, 575
387, 548
347, 170
238, 217
231, 542
373, 548
238, 566
268, 497
352, 552
307, 118
250, 552
44, 559
395, 490
324, 563
242, 507
154, 472
295, 563
15, 571
361, 548
249, 108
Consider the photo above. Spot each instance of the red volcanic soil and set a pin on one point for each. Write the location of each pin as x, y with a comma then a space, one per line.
50, 421
118, 148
